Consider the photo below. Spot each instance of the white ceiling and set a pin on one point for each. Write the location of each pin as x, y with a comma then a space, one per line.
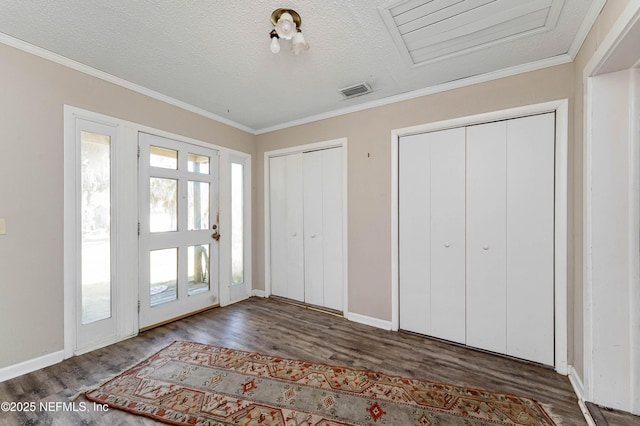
214, 55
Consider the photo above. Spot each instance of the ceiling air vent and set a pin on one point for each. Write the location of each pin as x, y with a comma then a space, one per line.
356, 90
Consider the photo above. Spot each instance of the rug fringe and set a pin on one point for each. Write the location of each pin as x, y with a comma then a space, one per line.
557, 419
85, 389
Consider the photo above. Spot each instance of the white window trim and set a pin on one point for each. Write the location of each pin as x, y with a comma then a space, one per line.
127, 135
227, 296
561, 108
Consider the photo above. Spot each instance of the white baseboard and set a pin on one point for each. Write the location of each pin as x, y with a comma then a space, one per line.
259, 293
30, 365
578, 388
373, 322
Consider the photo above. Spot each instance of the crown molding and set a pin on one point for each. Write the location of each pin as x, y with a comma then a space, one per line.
585, 27
507, 72
70, 63
495, 75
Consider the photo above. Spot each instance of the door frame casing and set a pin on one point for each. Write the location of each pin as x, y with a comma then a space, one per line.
561, 109
127, 214
616, 52
333, 143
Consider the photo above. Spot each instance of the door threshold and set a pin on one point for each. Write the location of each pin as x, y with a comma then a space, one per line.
311, 307
199, 311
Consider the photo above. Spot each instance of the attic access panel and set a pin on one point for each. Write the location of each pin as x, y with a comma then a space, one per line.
426, 31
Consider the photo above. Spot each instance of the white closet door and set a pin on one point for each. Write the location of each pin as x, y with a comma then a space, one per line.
313, 229
332, 228
432, 234
287, 269
322, 171
486, 236
278, 218
530, 238
414, 233
447, 299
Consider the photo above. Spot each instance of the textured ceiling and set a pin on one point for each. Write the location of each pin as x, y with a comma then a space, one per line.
214, 55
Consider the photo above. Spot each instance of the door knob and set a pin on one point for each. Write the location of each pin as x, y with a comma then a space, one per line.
447, 245
215, 235
485, 247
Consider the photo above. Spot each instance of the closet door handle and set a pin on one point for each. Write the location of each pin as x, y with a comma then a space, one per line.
485, 247
447, 245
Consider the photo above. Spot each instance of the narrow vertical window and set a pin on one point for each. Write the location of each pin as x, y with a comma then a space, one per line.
95, 172
237, 223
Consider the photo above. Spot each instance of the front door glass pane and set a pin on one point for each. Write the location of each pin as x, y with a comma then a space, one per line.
198, 163
163, 275
198, 205
198, 269
163, 158
237, 223
163, 205
95, 170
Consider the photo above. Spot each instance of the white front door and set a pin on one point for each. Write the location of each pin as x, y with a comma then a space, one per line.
179, 229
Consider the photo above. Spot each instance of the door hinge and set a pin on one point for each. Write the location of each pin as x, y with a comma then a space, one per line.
138, 306
138, 151
138, 229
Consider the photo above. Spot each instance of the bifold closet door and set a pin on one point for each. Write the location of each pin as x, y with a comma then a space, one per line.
510, 237
322, 182
530, 238
487, 236
432, 234
286, 216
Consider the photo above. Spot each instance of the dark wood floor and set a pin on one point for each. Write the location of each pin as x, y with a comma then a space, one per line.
282, 329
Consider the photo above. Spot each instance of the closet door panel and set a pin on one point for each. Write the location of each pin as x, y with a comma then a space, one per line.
530, 238
332, 228
313, 228
414, 233
278, 218
294, 255
486, 236
447, 173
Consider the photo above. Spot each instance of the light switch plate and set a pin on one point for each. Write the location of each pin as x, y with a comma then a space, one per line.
3, 227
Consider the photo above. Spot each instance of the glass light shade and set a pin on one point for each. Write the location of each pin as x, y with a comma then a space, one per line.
299, 44
285, 27
275, 46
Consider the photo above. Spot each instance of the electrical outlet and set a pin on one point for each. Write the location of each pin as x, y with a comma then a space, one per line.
3, 227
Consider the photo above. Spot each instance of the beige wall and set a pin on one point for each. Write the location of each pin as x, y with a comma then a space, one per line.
31, 179
32, 94
369, 169
369, 191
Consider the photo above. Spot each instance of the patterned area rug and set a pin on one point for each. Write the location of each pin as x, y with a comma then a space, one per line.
196, 384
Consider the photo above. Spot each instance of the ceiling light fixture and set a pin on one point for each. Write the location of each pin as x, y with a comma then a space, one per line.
287, 24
